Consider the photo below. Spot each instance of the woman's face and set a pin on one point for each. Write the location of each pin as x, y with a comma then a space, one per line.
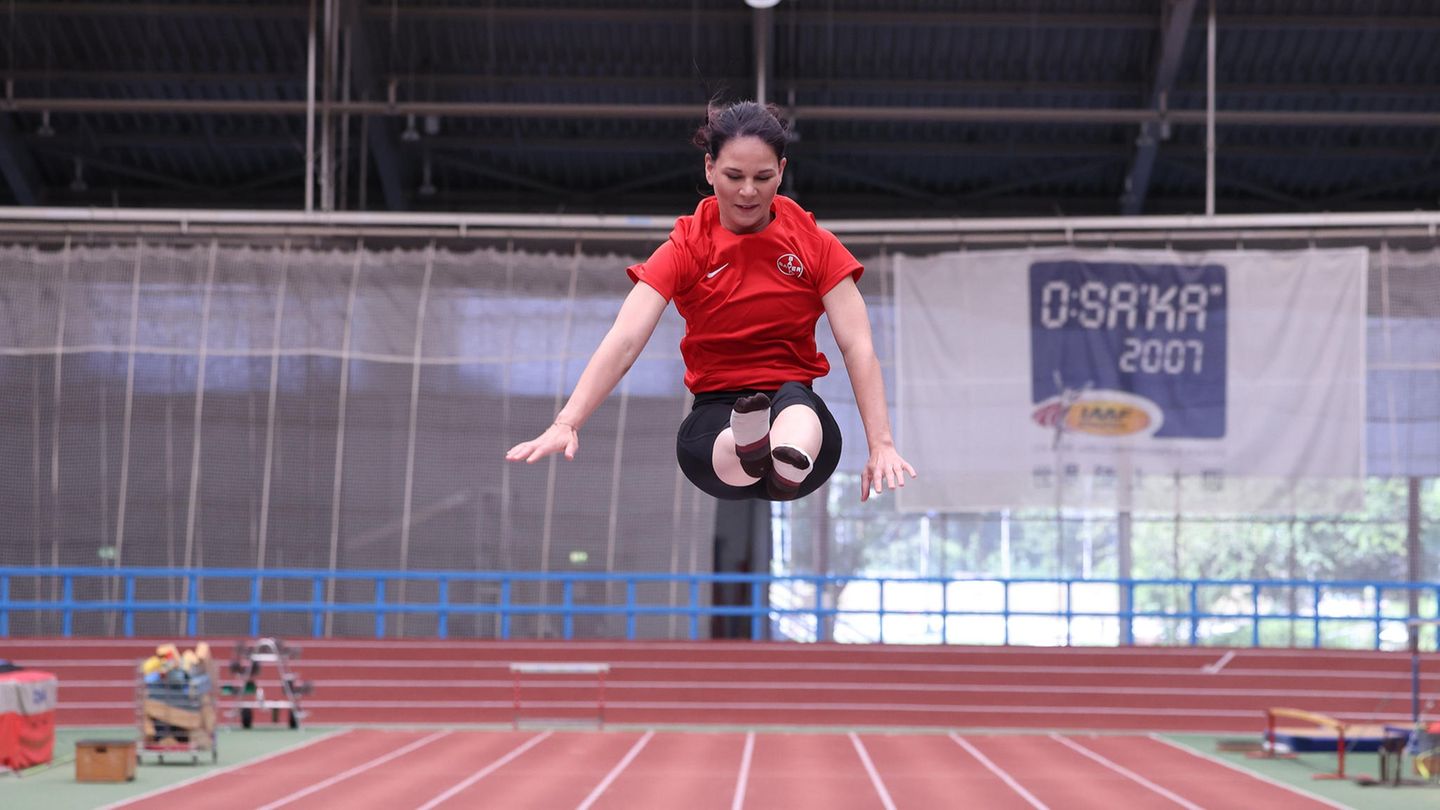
745, 176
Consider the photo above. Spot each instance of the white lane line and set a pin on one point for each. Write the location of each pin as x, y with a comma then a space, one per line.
744, 778
615, 771
1211, 669
874, 774
1238, 716
355, 771
1127, 773
998, 771
487, 770
284, 752
1260, 776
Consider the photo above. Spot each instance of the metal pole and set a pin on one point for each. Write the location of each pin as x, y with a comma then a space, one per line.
327, 121
1210, 113
1124, 542
310, 115
344, 36
763, 24
1415, 555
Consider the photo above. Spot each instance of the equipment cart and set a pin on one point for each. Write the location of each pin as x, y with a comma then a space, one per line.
247, 661
176, 712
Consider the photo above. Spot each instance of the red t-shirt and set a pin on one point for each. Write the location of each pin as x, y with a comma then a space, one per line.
750, 301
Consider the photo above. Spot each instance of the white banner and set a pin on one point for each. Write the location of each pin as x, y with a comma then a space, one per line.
1230, 382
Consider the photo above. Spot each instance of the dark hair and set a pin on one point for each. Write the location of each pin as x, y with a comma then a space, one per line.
742, 119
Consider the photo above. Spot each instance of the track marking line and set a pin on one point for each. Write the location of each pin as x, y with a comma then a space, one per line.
615, 771
787, 667
998, 771
355, 771
1253, 774
874, 774
487, 770
448, 686
1211, 669
1127, 773
150, 794
388, 646
743, 779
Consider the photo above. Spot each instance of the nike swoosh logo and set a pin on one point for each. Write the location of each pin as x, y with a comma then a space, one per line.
712, 273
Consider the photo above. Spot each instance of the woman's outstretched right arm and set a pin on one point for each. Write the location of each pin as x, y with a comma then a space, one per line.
612, 358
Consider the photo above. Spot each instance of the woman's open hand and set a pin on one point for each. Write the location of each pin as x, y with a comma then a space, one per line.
885, 468
559, 437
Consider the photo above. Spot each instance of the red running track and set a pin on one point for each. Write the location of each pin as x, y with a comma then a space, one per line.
1131, 689
577, 770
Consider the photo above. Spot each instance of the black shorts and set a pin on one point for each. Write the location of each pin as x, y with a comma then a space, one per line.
695, 444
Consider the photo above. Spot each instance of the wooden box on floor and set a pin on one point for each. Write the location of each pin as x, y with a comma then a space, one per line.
104, 760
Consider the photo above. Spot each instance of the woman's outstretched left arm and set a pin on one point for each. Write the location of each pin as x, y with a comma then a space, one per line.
850, 322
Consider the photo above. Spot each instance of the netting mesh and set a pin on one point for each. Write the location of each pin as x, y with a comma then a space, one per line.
834, 534
219, 405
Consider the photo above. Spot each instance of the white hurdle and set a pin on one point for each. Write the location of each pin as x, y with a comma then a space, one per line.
522, 668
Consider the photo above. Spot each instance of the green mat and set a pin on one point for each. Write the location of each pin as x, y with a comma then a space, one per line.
53, 786
1300, 772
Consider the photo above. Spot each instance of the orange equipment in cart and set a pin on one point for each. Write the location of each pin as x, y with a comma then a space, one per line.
175, 704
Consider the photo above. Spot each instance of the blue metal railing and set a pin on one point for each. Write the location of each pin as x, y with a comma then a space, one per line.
1372, 605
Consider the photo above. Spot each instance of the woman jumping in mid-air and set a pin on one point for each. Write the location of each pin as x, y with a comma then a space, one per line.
750, 272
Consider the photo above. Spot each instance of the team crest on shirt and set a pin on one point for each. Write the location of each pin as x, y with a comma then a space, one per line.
790, 265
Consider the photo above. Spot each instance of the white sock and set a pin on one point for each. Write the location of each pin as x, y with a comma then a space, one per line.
792, 473
749, 428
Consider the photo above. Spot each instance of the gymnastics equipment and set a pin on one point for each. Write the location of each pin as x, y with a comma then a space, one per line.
247, 661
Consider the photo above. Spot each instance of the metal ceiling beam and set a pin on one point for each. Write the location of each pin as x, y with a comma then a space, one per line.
638, 14
500, 174
18, 165
1411, 179
688, 112
460, 223
294, 11
383, 143
663, 149
1233, 181
852, 173
1062, 175
647, 179
133, 172
1179, 14
801, 85
644, 204
865, 18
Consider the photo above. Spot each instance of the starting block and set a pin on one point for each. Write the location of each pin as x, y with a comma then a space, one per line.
583, 669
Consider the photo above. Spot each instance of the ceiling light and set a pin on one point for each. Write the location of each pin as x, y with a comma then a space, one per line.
762, 3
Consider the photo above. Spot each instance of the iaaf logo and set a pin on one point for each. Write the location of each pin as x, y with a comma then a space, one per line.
790, 265
1099, 413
